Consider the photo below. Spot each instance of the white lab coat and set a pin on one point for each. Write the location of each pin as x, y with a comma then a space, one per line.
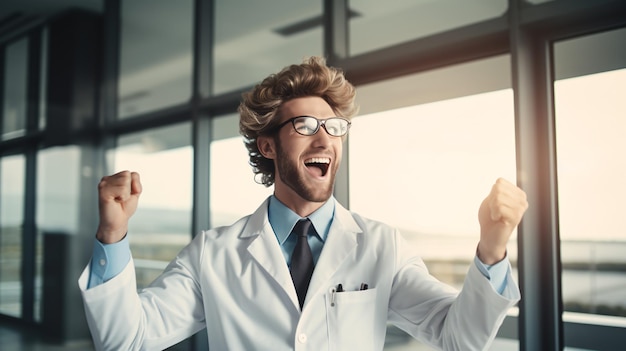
234, 281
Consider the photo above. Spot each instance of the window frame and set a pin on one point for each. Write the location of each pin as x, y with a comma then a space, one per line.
525, 27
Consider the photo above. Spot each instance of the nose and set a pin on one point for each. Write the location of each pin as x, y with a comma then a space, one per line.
322, 138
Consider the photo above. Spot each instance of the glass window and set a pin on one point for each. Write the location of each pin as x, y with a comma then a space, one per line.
161, 226
234, 192
439, 163
12, 174
376, 24
57, 207
15, 94
253, 38
433, 163
155, 55
591, 159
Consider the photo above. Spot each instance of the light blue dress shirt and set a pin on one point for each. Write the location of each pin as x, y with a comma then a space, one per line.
283, 219
109, 260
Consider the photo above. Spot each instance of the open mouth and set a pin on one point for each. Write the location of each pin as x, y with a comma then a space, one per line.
318, 165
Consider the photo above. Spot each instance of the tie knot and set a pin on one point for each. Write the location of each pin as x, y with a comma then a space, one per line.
302, 227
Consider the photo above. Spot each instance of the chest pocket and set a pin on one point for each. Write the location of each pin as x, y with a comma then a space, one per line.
354, 321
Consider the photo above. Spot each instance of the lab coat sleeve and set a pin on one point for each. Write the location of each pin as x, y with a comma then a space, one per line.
440, 316
166, 312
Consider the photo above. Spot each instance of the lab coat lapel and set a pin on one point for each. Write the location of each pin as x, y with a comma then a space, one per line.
341, 242
264, 248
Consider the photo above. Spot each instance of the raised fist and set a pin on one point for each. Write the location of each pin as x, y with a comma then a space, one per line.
118, 195
498, 215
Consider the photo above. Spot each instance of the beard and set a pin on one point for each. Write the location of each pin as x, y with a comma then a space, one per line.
288, 172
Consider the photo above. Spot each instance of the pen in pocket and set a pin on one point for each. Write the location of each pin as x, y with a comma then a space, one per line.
333, 292
339, 288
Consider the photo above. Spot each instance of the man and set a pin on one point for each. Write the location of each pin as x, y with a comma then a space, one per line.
334, 286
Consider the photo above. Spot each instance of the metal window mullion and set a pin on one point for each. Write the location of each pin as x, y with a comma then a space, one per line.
107, 111
29, 233
110, 64
336, 30
3, 77
336, 48
203, 49
202, 87
540, 321
201, 137
29, 237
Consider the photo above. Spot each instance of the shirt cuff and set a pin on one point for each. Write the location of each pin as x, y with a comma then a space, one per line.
496, 273
107, 261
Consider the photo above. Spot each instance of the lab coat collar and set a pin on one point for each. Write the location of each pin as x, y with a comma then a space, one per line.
265, 249
283, 219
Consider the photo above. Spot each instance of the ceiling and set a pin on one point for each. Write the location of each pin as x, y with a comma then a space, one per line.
16, 14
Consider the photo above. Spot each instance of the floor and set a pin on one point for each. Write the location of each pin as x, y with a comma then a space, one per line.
15, 336
18, 337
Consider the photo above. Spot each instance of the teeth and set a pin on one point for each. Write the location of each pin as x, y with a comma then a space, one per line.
317, 160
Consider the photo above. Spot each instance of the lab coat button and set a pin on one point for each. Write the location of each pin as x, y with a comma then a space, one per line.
302, 338
103, 262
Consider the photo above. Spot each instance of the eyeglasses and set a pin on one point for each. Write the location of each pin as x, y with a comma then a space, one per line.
307, 125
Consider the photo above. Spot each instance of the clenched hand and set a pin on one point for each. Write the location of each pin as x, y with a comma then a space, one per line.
118, 195
498, 215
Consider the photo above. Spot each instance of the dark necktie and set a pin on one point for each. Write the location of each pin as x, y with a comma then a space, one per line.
301, 260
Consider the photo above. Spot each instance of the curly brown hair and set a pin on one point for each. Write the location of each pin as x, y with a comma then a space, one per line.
258, 108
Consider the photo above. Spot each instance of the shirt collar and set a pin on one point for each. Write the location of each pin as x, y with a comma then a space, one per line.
283, 219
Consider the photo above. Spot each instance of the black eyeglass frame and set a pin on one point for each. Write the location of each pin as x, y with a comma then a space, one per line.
320, 123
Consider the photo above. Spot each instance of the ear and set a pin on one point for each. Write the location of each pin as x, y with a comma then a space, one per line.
267, 146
